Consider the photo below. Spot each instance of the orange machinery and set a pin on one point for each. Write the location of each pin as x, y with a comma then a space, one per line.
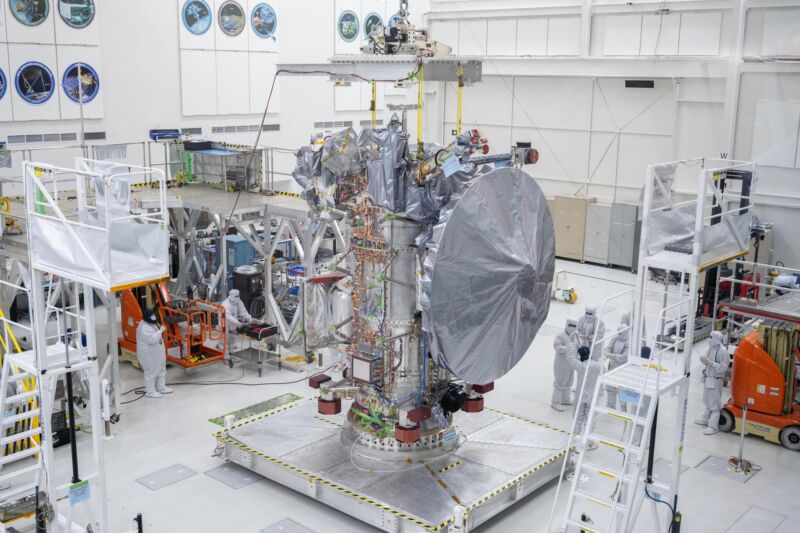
195, 329
768, 390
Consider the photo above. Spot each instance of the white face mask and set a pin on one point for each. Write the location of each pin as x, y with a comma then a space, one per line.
571, 329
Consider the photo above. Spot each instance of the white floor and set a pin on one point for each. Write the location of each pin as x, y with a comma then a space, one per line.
154, 434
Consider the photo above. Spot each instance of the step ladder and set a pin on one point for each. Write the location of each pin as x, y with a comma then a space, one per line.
614, 473
21, 435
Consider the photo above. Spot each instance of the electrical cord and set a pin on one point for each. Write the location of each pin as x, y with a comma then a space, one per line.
227, 226
671, 508
234, 382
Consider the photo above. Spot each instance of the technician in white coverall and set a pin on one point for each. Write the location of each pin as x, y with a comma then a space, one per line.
591, 327
588, 368
566, 346
236, 316
152, 356
617, 355
716, 365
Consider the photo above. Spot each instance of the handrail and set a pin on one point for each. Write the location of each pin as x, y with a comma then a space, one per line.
579, 395
28, 165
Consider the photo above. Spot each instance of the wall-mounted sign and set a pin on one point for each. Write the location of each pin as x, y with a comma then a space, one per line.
81, 83
348, 26
231, 18
264, 21
35, 83
196, 16
3, 84
29, 12
76, 13
370, 21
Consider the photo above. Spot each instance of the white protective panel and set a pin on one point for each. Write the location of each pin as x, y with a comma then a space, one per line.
294, 45
472, 38
622, 35
231, 25
562, 154
532, 36
3, 25
702, 89
553, 102
347, 22
77, 21
700, 34
198, 82
602, 169
446, 31
697, 131
19, 54
418, 11
636, 152
196, 21
366, 96
797, 153
502, 37
264, 24
233, 83
775, 133
262, 74
6, 113
637, 110
781, 34
563, 36
347, 97
370, 9
660, 34
392, 89
488, 102
93, 87
43, 32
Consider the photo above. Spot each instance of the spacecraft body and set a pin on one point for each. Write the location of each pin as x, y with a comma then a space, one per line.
448, 275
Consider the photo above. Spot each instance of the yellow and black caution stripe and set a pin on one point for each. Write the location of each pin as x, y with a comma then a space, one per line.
288, 194
331, 422
152, 185
514, 481
526, 420
313, 478
449, 467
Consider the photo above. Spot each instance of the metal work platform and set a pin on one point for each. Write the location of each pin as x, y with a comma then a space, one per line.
202, 197
361, 67
502, 458
785, 307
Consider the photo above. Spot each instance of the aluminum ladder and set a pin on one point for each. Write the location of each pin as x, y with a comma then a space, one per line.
21, 437
610, 500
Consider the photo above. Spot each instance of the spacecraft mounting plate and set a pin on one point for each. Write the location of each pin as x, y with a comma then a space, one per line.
493, 269
502, 459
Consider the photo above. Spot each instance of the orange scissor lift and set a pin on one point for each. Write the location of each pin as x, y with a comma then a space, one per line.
194, 329
768, 390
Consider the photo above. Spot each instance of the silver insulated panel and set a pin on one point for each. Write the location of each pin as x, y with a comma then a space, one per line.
489, 284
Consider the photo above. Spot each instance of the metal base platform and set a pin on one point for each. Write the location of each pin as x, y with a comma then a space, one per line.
501, 459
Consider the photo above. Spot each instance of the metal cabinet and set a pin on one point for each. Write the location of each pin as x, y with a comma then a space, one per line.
623, 245
569, 219
598, 229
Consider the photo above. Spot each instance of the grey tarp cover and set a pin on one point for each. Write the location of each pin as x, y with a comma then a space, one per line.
489, 275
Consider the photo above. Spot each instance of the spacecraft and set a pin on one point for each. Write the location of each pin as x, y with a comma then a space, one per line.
444, 280
450, 263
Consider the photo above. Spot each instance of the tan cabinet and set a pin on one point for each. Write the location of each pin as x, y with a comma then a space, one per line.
569, 219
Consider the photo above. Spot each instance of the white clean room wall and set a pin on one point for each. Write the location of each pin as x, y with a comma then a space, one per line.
554, 76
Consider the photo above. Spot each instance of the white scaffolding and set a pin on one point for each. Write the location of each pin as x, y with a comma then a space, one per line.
82, 236
683, 236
